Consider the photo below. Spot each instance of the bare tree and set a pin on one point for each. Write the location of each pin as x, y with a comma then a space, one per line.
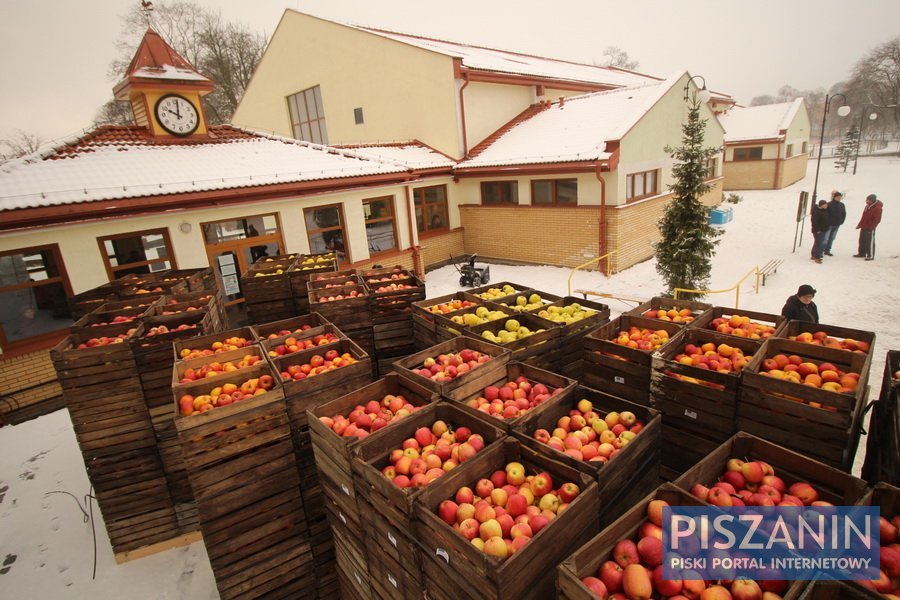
763, 100
114, 112
876, 79
19, 143
616, 57
224, 52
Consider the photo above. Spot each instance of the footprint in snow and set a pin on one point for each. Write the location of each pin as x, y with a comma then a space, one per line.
7, 563
3, 489
54, 523
26, 475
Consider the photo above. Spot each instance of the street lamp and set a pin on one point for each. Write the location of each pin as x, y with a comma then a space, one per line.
704, 93
842, 111
859, 135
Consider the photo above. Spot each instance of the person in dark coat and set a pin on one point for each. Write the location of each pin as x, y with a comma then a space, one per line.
820, 227
801, 307
837, 214
869, 221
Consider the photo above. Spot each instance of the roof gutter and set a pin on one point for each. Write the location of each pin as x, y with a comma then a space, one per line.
462, 116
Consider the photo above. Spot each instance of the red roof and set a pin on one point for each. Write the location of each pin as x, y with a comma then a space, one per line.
155, 53
138, 135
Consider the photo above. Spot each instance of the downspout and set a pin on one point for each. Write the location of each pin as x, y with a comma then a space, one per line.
462, 115
603, 232
778, 166
418, 267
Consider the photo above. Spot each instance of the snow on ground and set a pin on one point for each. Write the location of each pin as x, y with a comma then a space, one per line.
46, 548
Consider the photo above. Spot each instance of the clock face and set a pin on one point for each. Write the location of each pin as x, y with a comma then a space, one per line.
177, 115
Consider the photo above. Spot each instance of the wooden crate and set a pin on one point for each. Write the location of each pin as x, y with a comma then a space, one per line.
113, 308
454, 568
484, 293
294, 325
586, 560
570, 355
149, 288
837, 487
824, 424
394, 557
470, 382
272, 310
100, 324
352, 566
696, 308
620, 370
511, 303
348, 313
794, 328
883, 441
424, 319
304, 268
635, 462
538, 349
447, 326
561, 387
270, 345
373, 454
334, 454
206, 342
824, 589
88, 301
705, 321
196, 279
395, 304
265, 284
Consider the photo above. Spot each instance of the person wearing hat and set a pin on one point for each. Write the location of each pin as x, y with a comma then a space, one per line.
871, 217
801, 307
820, 227
837, 214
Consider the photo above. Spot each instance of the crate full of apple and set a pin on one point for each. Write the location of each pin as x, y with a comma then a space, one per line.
500, 292
887, 498
321, 336
532, 302
438, 366
529, 337
213, 343
740, 322
502, 522
670, 310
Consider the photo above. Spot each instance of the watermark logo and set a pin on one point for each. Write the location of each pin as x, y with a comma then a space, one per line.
771, 543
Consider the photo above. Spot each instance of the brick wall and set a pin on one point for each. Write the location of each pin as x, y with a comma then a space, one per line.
24, 371
539, 235
439, 248
403, 258
792, 169
749, 175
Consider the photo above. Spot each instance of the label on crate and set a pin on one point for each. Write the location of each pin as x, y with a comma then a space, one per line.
618, 379
392, 539
690, 413
342, 517
392, 580
443, 554
358, 578
345, 489
771, 542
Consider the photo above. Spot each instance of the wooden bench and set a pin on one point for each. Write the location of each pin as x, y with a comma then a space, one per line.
770, 268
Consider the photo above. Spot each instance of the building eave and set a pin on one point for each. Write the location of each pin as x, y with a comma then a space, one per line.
555, 168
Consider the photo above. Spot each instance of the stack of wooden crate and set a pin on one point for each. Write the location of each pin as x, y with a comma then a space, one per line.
300, 272
425, 313
392, 292
348, 308
266, 287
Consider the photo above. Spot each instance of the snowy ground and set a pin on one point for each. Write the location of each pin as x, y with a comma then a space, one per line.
46, 548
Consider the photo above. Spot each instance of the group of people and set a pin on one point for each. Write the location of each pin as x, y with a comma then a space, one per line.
828, 216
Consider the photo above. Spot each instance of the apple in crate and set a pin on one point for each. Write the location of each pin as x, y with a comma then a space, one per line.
446, 367
585, 435
370, 417
431, 452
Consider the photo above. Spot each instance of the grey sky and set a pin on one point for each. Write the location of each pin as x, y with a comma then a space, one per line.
54, 54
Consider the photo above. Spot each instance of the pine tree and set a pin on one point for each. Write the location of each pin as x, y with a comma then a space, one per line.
846, 149
683, 256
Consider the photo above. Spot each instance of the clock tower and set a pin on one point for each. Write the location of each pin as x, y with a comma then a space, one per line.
164, 90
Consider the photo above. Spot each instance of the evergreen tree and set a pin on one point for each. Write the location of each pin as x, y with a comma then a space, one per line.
683, 255
846, 149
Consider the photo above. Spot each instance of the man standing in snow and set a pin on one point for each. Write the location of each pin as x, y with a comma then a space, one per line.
870, 219
801, 307
820, 226
837, 214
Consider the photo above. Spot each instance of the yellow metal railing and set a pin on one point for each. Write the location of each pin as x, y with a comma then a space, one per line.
590, 262
736, 288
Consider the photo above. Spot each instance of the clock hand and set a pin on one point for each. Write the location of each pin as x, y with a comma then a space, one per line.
178, 110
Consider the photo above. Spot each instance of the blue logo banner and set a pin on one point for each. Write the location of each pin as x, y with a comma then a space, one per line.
771, 543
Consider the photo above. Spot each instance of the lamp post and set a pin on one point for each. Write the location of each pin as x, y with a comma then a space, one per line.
704, 93
843, 111
859, 135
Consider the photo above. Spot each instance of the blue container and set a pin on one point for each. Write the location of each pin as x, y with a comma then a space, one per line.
720, 216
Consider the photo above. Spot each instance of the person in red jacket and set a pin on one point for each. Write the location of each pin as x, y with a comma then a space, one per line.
870, 219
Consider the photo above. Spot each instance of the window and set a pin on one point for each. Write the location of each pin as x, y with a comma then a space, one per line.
748, 153
308, 116
789, 151
546, 192
380, 231
499, 192
641, 185
325, 228
141, 252
431, 208
233, 245
34, 291
712, 166
804, 148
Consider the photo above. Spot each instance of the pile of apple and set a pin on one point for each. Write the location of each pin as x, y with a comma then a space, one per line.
512, 399
155, 290
494, 293
754, 483
675, 315
888, 582
284, 332
232, 343
292, 344
741, 326
635, 571
431, 452
820, 338
175, 312
350, 294
370, 417
393, 287
449, 307
115, 320
446, 367
481, 315
526, 303
722, 358
289, 257
315, 262
216, 368
343, 283
570, 313
505, 511
641, 338
512, 330
586, 435
318, 364
223, 395
106, 340
796, 369
397, 274
161, 329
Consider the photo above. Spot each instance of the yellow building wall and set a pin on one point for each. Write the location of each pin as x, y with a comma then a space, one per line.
489, 106
405, 92
770, 151
439, 248
468, 190
750, 174
792, 170
25, 371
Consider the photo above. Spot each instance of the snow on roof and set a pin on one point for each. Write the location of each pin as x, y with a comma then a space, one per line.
743, 123
503, 61
412, 155
575, 129
126, 162
168, 72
